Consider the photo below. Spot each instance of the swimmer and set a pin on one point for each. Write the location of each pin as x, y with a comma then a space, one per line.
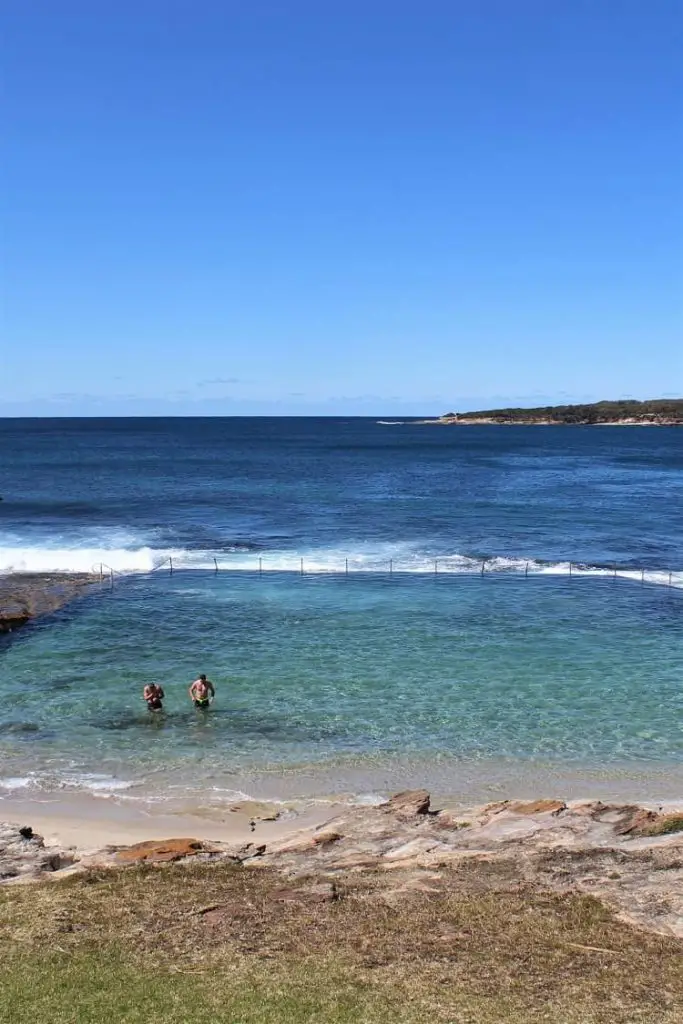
202, 692
153, 694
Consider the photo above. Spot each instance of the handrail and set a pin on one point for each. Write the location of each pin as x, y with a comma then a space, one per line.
671, 578
101, 566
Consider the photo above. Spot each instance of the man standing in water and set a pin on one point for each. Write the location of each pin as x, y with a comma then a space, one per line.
153, 694
202, 692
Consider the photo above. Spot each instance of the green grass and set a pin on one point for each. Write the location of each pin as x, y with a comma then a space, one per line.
106, 986
665, 826
206, 943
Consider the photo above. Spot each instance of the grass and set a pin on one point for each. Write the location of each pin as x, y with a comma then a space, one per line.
664, 826
205, 943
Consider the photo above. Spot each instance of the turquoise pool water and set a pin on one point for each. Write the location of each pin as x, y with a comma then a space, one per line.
328, 670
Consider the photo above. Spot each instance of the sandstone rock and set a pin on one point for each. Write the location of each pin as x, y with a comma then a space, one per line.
447, 819
23, 854
411, 849
325, 838
537, 807
494, 808
632, 819
27, 596
306, 842
629, 857
353, 861
651, 823
408, 804
160, 851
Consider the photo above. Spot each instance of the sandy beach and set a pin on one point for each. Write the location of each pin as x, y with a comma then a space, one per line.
87, 824
268, 806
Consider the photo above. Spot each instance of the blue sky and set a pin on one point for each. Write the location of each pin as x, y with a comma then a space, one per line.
339, 207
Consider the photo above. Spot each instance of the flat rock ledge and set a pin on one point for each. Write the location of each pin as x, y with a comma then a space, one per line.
28, 596
629, 857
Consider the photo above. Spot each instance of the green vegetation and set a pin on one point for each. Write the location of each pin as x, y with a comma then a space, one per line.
664, 826
655, 411
205, 943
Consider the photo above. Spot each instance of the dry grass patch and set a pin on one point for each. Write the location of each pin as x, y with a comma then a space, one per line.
477, 948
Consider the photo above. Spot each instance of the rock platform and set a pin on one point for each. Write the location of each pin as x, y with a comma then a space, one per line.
629, 857
28, 596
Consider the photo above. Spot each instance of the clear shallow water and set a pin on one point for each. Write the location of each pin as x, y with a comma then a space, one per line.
320, 669
333, 672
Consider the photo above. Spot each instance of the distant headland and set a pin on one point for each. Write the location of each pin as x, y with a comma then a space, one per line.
662, 412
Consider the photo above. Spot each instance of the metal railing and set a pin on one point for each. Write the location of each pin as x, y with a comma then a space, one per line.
487, 566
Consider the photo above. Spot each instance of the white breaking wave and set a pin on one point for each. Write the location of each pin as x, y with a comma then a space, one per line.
387, 558
123, 560
92, 782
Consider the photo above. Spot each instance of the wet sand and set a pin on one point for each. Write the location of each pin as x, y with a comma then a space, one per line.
88, 824
237, 808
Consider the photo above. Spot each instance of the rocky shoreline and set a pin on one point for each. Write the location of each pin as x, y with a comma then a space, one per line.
461, 421
629, 857
28, 596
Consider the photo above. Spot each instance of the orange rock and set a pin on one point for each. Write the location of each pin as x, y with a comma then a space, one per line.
160, 851
408, 803
537, 807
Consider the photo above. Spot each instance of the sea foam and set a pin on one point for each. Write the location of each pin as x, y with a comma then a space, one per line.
378, 559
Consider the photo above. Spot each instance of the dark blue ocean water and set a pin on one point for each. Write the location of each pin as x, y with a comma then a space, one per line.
415, 653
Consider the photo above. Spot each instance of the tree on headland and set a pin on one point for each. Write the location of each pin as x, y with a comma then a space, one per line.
652, 411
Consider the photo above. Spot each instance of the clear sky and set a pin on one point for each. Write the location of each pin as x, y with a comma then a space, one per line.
342, 206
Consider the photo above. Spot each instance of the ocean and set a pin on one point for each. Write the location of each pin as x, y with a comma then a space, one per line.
482, 609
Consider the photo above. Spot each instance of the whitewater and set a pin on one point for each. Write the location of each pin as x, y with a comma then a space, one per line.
387, 558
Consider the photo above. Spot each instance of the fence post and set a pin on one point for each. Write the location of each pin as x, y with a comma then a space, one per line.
170, 562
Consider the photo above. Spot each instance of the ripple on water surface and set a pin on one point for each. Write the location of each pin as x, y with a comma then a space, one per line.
574, 672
